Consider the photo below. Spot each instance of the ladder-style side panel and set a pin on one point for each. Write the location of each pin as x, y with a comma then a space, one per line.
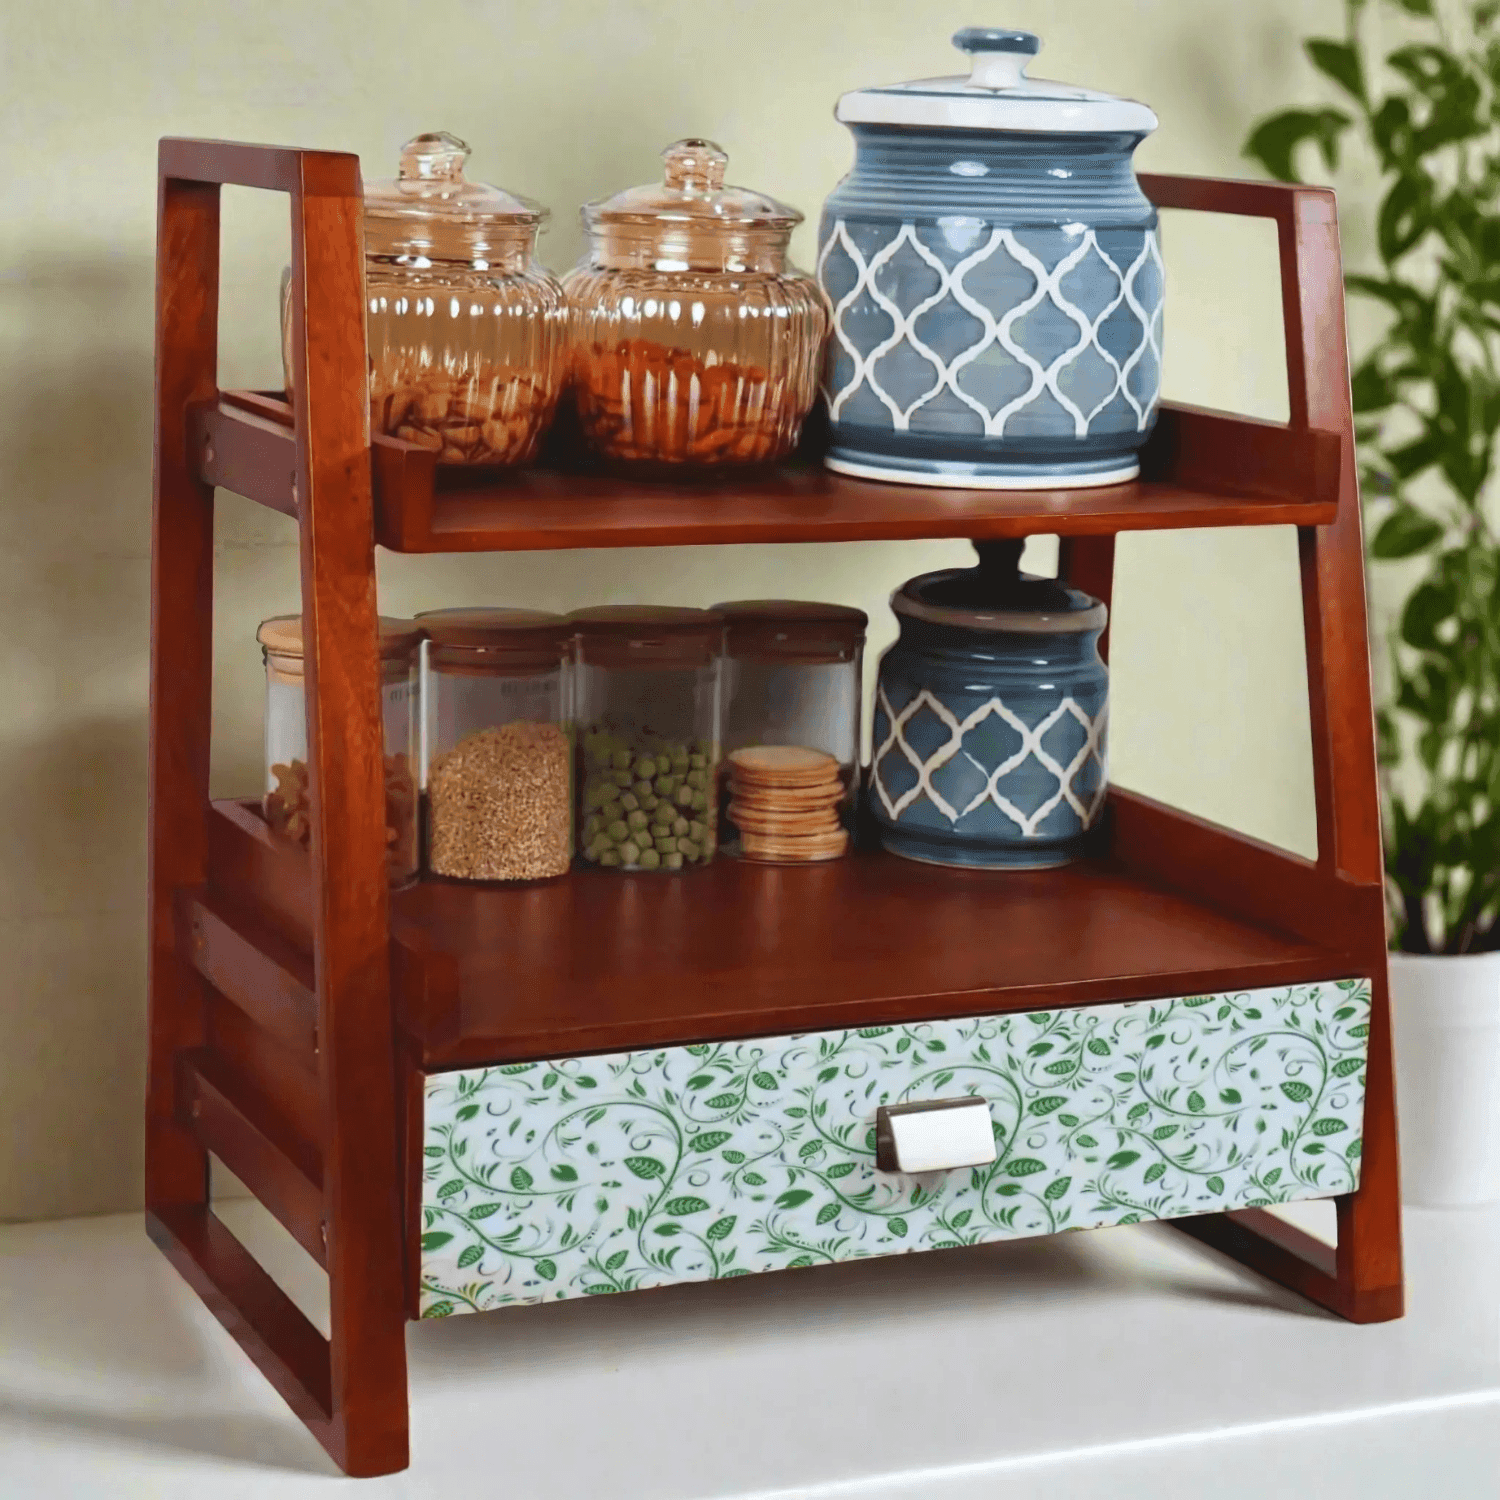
345, 1206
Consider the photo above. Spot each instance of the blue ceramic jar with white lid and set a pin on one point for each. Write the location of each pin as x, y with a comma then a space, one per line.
996, 280
991, 718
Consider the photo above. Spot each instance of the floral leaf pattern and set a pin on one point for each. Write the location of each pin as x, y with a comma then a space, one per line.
583, 1176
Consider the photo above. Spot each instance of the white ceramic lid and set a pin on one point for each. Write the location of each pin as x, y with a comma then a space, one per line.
996, 95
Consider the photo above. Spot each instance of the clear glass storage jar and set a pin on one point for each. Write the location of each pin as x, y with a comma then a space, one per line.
648, 703
286, 803
695, 341
793, 671
467, 330
498, 748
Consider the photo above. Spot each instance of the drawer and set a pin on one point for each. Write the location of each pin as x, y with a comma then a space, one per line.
580, 1176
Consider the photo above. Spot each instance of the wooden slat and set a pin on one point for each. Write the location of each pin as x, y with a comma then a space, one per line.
263, 974
1220, 454
258, 1315
241, 1128
279, 169
241, 450
259, 872
286, 1079
1295, 1259
1242, 874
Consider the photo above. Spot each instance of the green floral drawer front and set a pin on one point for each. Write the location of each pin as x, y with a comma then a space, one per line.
604, 1174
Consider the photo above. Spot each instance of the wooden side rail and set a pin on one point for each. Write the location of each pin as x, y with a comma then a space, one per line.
362, 1395
1348, 879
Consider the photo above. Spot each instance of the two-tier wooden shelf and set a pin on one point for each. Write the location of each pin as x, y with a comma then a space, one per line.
296, 1007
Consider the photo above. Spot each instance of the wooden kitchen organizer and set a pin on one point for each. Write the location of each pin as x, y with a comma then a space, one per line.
296, 1006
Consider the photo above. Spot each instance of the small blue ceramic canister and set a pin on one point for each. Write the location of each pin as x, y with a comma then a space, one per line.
996, 279
991, 714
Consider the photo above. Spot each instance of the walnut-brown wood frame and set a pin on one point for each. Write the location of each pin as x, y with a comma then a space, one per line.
295, 1007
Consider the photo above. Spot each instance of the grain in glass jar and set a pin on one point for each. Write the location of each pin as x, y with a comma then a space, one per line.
647, 690
287, 801
467, 330
498, 772
695, 341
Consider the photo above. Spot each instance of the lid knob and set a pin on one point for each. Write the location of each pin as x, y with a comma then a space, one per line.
999, 55
695, 166
434, 155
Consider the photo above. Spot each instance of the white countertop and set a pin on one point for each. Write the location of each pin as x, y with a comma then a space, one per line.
1119, 1362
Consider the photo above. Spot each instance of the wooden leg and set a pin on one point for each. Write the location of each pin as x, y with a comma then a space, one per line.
181, 671
1369, 1244
346, 760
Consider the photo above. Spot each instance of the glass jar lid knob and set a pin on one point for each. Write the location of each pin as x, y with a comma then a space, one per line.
999, 55
433, 156
695, 166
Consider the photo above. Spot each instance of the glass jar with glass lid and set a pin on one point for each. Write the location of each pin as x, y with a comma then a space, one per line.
695, 341
467, 330
648, 705
498, 753
287, 801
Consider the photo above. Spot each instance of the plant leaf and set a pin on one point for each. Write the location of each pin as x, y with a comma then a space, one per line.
1340, 62
1274, 142
1405, 532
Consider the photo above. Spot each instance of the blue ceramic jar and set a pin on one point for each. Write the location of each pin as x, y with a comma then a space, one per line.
991, 715
996, 280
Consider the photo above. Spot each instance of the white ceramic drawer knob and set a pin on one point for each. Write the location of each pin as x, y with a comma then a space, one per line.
934, 1135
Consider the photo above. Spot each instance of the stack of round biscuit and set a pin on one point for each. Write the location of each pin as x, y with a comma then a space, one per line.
784, 800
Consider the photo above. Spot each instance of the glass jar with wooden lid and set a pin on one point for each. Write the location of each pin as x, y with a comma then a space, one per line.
793, 672
695, 341
467, 330
498, 752
648, 703
287, 800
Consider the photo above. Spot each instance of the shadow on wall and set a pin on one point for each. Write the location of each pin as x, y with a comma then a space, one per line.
75, 449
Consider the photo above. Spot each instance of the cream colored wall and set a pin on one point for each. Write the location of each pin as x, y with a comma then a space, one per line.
562, 101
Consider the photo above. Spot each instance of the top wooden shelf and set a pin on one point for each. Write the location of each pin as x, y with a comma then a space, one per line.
1200, 469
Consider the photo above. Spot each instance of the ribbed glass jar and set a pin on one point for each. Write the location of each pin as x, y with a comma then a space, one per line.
695, 341
467, 330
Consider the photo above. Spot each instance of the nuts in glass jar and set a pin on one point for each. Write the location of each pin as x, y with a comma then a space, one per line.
288, 810
495, 415
644, 401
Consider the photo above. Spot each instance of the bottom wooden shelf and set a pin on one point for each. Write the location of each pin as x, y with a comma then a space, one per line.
597, 962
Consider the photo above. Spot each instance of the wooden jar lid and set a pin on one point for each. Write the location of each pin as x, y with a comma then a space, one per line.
637, 635
792, 630
281, 635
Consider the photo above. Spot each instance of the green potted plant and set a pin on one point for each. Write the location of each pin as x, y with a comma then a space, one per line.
1425, 108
